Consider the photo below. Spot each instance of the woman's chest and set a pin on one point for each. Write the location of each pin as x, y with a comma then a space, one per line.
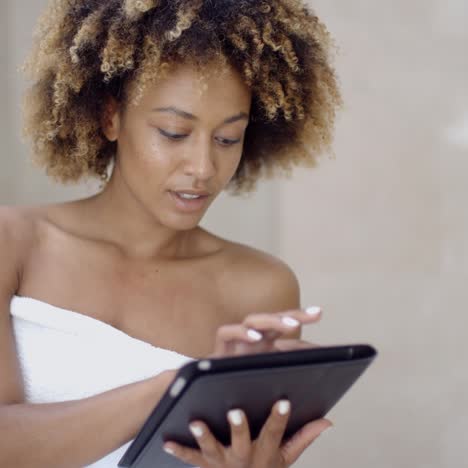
175, 306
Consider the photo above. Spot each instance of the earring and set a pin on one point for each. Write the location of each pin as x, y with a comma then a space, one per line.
104, 178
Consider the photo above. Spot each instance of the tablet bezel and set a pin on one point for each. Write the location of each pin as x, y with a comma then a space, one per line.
191, 371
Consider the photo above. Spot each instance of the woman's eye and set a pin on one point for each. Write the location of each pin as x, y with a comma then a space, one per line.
171, 136
227, 142
179, 136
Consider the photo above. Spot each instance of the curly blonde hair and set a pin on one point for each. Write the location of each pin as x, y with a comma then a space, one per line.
86, 50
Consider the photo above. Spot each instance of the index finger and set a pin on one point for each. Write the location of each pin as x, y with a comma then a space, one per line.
274, 321
308, 315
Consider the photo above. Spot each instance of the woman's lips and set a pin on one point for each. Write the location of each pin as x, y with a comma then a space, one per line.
188, 205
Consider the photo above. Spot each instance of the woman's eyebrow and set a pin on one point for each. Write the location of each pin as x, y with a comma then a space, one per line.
187, 115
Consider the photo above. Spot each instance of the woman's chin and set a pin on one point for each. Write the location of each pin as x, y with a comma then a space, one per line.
182, 223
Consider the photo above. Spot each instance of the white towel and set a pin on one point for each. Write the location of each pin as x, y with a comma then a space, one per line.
66, 355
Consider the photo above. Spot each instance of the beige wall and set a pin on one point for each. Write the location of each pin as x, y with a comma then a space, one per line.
378, 236
6, 108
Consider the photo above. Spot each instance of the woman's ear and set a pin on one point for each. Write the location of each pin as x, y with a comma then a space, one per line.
110, 118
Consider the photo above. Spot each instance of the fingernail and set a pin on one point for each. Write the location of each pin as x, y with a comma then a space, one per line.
168, 450
326, 430
314, 310
197, 431
254, 335
290, 322
235, 416
283, 407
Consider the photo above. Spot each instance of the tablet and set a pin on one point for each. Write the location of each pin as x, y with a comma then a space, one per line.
312, 379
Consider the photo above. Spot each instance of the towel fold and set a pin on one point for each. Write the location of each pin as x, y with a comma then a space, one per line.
65, 355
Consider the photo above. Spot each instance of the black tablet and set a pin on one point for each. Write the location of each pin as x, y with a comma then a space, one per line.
313, 380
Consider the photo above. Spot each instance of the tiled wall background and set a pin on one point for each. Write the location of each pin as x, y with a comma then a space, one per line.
378, 236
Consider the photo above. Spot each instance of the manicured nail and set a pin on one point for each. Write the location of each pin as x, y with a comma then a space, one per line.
235, 416
314, 310
283, 407
197, 431
168, 449
254, 335
290, 322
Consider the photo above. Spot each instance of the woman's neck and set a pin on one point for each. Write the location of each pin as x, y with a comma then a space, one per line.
118, 217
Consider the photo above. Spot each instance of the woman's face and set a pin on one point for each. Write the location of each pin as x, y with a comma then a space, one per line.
179, 147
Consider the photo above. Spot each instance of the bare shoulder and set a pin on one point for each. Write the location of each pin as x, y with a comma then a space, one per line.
258, 282
17, 235
17, 224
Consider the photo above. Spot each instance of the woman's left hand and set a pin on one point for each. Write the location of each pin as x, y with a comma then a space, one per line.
264, 452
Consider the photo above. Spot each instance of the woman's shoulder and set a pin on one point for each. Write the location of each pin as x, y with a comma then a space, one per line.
28, 222
17, 235
17, 224
257, 281
20, 223
19, 228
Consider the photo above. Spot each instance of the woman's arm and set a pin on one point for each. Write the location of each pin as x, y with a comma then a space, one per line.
68, 434
79, 432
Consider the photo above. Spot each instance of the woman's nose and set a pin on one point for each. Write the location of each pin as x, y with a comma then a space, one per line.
199, 163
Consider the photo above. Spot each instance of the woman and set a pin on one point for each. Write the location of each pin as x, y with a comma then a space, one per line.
168, 102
